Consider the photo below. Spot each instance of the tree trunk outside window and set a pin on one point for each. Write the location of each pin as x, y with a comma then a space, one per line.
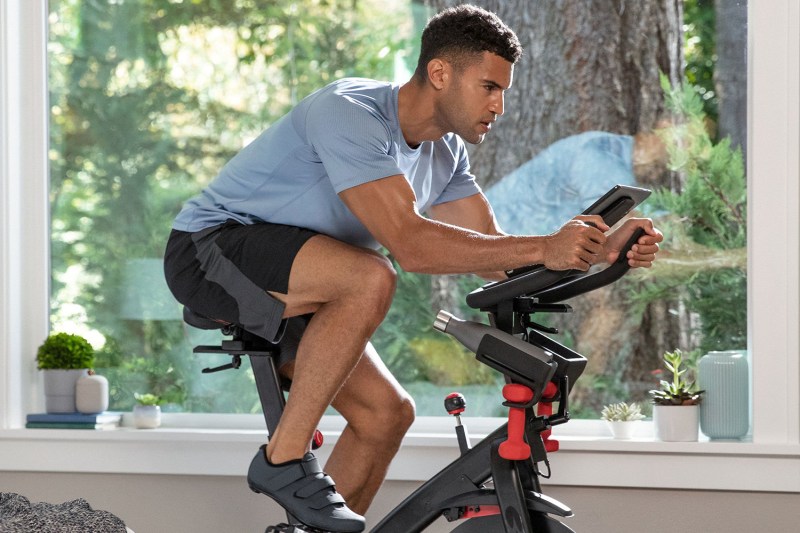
731, 70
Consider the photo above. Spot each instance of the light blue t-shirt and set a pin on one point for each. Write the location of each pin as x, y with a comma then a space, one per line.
343, 135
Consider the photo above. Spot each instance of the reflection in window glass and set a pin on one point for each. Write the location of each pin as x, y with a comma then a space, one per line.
149, 100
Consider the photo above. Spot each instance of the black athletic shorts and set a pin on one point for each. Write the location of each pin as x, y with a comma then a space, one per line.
224, 273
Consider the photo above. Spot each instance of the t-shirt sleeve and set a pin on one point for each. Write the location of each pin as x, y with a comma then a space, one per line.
352, 141
462, 183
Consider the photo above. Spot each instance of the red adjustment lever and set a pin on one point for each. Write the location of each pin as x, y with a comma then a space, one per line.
317, 440
545, 408
515, 448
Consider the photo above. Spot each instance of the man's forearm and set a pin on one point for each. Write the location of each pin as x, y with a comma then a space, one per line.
433, 247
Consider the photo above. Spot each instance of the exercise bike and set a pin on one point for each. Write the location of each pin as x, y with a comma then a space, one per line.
495, 485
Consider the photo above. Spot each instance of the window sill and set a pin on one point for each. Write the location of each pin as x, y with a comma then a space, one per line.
588, 459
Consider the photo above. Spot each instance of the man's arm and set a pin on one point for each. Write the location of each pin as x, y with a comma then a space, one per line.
386, 208
475, 213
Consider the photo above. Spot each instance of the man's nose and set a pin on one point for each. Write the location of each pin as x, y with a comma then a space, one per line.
498, 105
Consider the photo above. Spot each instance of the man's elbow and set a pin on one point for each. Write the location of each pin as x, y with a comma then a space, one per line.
411, 260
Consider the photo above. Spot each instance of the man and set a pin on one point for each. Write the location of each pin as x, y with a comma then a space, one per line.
289, 229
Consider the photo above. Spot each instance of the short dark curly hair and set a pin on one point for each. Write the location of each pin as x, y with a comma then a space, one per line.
459, 34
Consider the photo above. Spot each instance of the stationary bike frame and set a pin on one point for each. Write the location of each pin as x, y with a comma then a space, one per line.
488, 492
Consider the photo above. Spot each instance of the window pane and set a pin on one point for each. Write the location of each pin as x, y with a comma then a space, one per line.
149, 102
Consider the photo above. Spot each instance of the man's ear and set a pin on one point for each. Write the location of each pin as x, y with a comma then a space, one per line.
439, 73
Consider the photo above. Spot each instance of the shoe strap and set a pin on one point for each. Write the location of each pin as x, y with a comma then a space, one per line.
322, 483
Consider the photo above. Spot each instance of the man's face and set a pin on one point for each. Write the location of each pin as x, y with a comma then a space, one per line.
473, 98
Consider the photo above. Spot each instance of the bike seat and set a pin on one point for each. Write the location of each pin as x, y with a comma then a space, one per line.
203, 322
242, 343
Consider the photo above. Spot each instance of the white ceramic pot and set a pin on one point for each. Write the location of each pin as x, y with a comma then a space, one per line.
146, 416
623, 429
676, 423
91, 394
59, 389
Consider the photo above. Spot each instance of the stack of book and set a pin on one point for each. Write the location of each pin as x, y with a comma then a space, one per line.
106, 420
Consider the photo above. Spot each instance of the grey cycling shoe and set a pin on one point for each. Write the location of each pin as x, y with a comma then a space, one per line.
305, 491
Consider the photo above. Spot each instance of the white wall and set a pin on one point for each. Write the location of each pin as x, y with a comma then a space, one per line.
205, 504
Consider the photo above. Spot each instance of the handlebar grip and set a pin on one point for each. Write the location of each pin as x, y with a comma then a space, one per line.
570, 289
629, 244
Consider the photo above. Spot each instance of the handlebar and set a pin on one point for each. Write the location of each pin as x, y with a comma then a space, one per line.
550, 286
575, 287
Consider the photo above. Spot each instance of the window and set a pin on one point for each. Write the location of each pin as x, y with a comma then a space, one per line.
142, 118
765, 300
146, 106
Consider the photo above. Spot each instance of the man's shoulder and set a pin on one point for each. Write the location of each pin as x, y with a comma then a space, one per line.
349, 85
361, 91
350, 105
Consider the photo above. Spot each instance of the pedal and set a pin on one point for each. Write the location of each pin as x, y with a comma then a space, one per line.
292, 528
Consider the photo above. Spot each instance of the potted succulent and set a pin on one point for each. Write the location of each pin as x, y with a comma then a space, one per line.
622, 418
63, 358
147, 411
676, 405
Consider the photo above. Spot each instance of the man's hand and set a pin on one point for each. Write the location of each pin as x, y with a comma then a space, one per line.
643, 253
579, 244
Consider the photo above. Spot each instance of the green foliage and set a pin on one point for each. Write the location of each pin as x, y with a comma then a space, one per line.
699, 48
443, 361
148, 101
705, 227
622, 412
713, 199
65, 351
147, 399
679, 391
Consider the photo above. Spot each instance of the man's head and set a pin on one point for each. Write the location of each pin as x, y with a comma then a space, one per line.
460, 35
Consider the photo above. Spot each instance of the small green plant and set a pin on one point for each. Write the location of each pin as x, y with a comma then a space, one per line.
679, 391
146, 399
622, 412
65, 351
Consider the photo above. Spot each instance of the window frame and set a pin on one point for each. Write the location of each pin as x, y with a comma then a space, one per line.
773, 296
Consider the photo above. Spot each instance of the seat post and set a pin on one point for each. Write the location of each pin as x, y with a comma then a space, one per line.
269, 390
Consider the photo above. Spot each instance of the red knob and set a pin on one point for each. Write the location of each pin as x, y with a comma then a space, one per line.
455, 403
317, 440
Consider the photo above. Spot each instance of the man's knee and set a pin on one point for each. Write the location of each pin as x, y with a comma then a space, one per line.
393, 417
406, 412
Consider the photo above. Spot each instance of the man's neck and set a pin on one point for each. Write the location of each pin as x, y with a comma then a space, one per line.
416, 112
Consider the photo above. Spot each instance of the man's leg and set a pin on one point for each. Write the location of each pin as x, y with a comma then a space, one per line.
349, 290
378, 413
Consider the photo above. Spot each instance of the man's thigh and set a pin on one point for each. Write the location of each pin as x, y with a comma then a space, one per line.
325, 270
